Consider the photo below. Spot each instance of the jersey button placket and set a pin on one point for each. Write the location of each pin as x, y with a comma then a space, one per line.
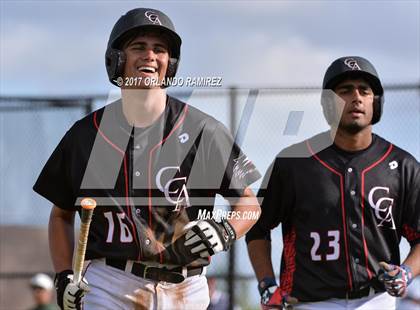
350, 178
352, 218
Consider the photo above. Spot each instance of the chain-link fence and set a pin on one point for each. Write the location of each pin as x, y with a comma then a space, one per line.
30, 128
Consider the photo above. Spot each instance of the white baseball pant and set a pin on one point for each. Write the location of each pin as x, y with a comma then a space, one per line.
111, 288
382, 301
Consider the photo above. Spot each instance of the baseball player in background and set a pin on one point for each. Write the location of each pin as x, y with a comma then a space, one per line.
344, 198
152, 163
42, 292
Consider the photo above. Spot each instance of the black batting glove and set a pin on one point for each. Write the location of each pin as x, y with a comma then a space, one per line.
69, 295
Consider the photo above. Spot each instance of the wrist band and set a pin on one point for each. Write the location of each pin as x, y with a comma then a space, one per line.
408, 272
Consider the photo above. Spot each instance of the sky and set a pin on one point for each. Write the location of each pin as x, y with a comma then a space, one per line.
57, 48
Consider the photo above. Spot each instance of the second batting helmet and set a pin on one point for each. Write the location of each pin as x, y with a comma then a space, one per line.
140, 19
354, 67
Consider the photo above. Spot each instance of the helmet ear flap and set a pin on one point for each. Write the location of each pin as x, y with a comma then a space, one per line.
328, 105
172, 68
170, 72
114, 62
377, 108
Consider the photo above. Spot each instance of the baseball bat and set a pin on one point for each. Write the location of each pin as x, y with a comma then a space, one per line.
88, 205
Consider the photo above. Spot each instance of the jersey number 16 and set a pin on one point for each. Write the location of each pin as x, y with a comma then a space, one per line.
125, 234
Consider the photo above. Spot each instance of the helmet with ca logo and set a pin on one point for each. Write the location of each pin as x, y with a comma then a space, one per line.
140, 19
352, 67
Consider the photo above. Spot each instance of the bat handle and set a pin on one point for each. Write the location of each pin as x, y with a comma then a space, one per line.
77, 277
88, 205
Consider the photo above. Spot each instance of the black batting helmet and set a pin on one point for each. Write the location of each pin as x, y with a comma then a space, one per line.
354, 67
140, 19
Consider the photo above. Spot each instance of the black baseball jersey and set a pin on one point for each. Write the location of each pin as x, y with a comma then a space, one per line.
341, 214
148, 182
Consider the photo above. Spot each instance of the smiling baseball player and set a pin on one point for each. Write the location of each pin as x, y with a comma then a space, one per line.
343, 208
152, 163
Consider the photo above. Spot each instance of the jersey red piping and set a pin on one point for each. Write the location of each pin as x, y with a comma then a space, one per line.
152, 150
370, 274
286, 281
127, 201
349, 279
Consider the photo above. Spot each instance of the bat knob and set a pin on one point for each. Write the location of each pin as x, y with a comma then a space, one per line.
88, 203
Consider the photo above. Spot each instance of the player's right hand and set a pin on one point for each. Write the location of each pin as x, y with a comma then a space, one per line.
207, 237
271, 298
395, 278
69, 295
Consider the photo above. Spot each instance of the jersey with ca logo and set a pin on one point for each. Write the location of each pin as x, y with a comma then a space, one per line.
341, 214
148, 182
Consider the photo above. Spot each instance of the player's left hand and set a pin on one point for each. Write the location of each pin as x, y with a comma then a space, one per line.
395, 278
207, 237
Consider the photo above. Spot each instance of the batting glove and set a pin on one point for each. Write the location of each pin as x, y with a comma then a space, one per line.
395, 278
208, 237
69, 295
271, 296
